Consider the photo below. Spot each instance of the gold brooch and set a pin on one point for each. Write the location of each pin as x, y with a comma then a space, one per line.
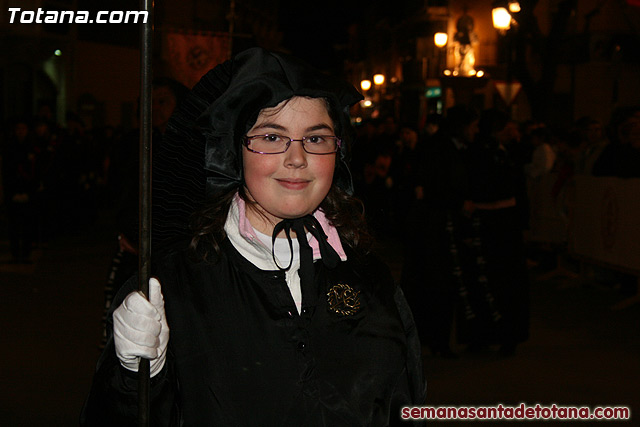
343, 300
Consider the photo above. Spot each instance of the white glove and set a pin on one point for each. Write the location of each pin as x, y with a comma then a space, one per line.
140, 329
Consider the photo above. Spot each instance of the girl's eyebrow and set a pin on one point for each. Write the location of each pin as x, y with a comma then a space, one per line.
270, 125
320, 127
275, 126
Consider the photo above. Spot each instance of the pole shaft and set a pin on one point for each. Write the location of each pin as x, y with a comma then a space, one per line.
231, 18
144, 208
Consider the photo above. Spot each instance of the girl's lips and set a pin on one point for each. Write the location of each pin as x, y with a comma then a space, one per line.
293, 184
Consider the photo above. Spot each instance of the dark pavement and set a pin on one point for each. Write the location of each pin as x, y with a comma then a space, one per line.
581, 352
50, 318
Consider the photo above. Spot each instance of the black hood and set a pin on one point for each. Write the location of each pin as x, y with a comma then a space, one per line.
201, 153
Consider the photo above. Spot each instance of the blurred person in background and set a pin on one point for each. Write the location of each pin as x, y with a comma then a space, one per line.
46, 143
20, 185
621, 158
500, 295
435, 228
595, 142
404, 172
543, 157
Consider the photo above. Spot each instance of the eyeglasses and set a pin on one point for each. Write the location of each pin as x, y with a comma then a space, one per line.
277, 144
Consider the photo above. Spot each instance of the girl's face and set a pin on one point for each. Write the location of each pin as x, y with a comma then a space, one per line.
294, 183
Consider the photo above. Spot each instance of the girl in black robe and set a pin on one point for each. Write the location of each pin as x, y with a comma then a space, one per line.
278, 313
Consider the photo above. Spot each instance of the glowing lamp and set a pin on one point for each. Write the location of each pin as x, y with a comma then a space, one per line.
440, 39
501, 18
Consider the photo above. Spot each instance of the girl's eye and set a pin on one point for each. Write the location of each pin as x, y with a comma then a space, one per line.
272, 138
315, 139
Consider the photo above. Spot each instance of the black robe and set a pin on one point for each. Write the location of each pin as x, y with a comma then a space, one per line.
240, 354
501, 304
428, 270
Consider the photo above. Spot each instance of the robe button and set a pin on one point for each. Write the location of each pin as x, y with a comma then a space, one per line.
304, 311
301, 345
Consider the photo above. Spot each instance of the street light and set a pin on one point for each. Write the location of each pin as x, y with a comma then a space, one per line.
365, 84
378, 79
514, 7
440, 39
501, 19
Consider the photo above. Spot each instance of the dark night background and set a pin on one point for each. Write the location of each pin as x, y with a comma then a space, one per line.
584, 348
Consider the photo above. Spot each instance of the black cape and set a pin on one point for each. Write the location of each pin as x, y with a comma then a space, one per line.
240, 354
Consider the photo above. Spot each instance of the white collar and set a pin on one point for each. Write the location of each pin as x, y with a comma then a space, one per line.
249, 245
241, 233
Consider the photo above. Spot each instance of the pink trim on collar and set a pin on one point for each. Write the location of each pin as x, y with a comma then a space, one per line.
246, 230
332, 237
244, 226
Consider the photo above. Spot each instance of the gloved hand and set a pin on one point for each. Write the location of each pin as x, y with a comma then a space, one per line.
140, 329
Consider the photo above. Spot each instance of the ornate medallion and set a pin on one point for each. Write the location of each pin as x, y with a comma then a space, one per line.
343, 300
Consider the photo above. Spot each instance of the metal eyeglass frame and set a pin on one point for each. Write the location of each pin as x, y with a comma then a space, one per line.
247, 141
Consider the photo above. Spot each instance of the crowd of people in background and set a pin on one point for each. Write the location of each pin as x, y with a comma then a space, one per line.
53, 178
389, 158
457, 188
56, 179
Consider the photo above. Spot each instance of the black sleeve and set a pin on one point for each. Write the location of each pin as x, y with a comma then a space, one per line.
113, 399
